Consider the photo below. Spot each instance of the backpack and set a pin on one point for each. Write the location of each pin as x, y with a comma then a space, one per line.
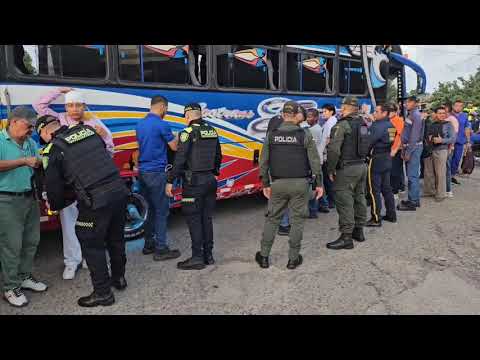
468, 162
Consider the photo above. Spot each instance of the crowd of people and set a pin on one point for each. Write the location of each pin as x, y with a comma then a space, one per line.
313, 160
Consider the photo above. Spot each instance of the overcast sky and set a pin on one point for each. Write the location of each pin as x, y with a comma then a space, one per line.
442, 62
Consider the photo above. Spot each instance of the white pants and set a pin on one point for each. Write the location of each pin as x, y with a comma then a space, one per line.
72, 252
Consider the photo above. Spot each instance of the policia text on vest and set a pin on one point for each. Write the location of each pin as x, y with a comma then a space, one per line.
77, 157
288, 160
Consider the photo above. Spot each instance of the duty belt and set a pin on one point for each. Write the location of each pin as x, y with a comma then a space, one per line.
18, 194
353, 162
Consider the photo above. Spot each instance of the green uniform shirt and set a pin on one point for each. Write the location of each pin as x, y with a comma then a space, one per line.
312, 153
337, 137
19, 179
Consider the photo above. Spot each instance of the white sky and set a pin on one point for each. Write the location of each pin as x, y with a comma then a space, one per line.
442, 63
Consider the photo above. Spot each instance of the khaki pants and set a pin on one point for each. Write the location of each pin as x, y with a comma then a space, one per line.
434, 179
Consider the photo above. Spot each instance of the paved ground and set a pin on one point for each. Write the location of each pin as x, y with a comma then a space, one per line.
427, 263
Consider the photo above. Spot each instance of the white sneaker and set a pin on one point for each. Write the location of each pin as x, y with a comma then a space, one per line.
69, 272
31, 283
15, 297
449, 194
84, 264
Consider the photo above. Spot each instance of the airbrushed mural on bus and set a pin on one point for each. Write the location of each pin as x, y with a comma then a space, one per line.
241, 118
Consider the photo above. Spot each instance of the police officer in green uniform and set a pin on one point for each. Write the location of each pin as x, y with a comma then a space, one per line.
289, 159
76, 157
197, 161
346, 155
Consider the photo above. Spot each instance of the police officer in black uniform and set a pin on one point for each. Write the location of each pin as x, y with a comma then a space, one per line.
197, 161
76, 157
382, 135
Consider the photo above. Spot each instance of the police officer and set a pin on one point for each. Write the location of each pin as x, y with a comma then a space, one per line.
76, 156
346, 167
289, 157
197, 162
382, 134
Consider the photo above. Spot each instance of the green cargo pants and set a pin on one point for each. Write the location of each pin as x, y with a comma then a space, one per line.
294, 194
19, 238
349, 188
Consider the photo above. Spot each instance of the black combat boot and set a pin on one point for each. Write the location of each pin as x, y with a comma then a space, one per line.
345, 241
120, 283
293, 264
284, 230
95, 299
358, 235
373, 223
166, 254
262, 260
208, 259
406, 206
389, 218
193, 263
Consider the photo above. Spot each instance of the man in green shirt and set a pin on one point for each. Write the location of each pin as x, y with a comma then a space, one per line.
19, 211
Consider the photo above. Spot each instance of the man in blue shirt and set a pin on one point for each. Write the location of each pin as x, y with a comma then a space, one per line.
154, 137
463, 137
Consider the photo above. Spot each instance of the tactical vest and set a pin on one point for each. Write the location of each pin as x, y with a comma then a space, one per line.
204, 148
356, 144
88, 167
288, 155
384, 145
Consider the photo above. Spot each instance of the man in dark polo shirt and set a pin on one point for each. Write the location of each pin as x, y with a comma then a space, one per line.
154, 137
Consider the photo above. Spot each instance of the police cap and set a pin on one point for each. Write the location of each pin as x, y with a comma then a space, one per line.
192, 106
44, 121
291, 107
350, 100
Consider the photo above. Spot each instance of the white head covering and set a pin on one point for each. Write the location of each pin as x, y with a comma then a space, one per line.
74, 97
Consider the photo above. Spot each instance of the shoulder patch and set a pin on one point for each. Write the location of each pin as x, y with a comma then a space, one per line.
188, 129
46, 149
184, 137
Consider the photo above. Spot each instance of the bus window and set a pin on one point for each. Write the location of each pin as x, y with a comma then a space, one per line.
309, 72
247, 66
351, 77
165, 64
84, 61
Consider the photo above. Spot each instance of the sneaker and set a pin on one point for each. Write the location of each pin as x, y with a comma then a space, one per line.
455, 181
33, 284
323, 209
84, 264
284, 230
15, 297
70, 271
449, 194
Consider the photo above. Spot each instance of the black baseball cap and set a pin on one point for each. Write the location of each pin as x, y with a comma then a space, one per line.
44, 121
412, 98
192, 106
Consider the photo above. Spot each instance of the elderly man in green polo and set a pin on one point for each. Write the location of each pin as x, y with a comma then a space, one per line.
19, 211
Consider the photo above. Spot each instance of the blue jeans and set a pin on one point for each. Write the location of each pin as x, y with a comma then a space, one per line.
285, 219
152, 187
313, 206
413, 174
456, 158
449, 172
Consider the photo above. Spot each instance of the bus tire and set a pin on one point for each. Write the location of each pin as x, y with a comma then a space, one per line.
135, 223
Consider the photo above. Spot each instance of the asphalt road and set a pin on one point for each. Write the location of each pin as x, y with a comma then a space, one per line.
427, 263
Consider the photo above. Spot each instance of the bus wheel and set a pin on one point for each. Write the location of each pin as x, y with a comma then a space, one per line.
137, 212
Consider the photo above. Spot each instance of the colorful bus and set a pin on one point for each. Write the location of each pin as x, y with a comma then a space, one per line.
240, 88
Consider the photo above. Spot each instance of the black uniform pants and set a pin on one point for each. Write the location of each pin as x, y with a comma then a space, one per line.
378, 182
99, 230
397, 178
198, 203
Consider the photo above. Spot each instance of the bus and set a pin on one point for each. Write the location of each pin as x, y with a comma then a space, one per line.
240, 88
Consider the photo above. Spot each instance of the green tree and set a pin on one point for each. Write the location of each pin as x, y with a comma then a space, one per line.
27, 60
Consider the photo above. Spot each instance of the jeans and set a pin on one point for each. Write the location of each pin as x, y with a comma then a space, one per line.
285, 219
413, 174
313, 206
152, 187
397, 177
449, 172
328, 198
456, 158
